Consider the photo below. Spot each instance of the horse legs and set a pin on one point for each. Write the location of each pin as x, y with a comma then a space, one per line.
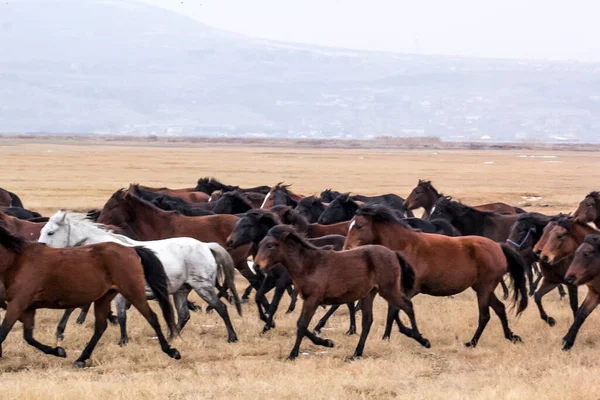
206, 291
246, 294
541, 292
122, 306
326, 317
572, 289
504, 288
366, 307
399, 301
293, 298
588, 305
13, 312
561, 291
83, 315
266, 286
309, 307
483, 301
280, 285
394, 316
529, 273
101, 307
500, 311
28, 318
352, 313
181, 306
62, 324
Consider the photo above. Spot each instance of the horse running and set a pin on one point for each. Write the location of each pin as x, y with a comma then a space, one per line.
445, 265
589, 209
37, 276
329, 277
189, 264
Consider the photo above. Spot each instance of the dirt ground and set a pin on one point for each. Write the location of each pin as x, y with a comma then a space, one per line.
80, 177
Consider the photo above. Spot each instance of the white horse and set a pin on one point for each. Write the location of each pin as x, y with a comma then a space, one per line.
189, 264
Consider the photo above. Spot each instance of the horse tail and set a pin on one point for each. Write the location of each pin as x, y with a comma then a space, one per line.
444, 227
226, 269
15, 200
516, 270
407, 274
154, 273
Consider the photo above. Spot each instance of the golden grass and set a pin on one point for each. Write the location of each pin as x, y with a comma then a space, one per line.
48, 177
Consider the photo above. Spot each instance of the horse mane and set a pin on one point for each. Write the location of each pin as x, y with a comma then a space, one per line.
118, 194
569, 223
457, 208
293, 218
594, 240
310, 200
286, 232
594, 195
10, 241
266, 215
145, 203
237, 195
79, 219
381, 213
427, 185
344, 197
534, 217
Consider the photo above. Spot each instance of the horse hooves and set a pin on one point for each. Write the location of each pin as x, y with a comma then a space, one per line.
328, 343
245, 300
351, 331
551, 321
472, 344
232, 339
567, 346
80, 321
353, 358
59, 337
123, 342
516, 339
79, 364
174, 354
290, 310
386, 337
291, 358
425, 343
60, 352
317, 331
113, 320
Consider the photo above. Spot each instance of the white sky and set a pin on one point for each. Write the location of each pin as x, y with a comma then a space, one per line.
540, 29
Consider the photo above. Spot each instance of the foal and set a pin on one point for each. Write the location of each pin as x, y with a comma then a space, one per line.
329, 277
36, 276
445, 265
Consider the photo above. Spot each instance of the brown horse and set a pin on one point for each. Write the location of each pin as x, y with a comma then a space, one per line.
424, 195
36, 276
584, 270
280, 194
330, 277
256, 199
445, 265
9, 199
187, 194
26, 229
589, 209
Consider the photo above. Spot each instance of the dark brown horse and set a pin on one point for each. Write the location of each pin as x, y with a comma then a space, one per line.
424, 195
210, 185
26, 229
589, 209
329, 277
584, 270
280, 194
9, 199
445, 265
36, 276
255, 198
289, 216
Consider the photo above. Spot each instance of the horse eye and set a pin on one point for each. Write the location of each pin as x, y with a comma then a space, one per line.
269, 245
50, 233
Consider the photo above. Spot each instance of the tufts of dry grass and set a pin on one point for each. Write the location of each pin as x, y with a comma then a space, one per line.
48, 177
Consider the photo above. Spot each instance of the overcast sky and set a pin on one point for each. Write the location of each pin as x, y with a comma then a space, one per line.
543, 29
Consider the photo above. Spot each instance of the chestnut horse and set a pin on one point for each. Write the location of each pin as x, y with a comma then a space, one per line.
26, 229
589, 209
584, 270
37, 276
424, 196
445, 265
280, 194
330, 277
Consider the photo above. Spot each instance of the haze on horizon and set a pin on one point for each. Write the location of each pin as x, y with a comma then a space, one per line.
532, 29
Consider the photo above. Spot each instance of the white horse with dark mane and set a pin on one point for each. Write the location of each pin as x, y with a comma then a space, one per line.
189, 264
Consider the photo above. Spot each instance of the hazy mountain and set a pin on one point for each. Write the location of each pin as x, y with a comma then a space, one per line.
92, 66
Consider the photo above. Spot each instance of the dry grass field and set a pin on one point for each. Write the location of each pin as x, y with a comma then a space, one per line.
48, 177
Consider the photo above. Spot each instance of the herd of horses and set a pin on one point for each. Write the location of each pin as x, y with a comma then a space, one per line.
333, 249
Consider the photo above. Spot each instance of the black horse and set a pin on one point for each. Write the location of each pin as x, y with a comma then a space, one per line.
210, 185
21, 213
9, 199
343, 208
311, 208
252, 228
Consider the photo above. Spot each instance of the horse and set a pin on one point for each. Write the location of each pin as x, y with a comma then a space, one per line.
9, 199
584, 270
330, 277
187, 194
26, 229
37, 276
169, 203
290, 216
280, 194
141, 220
424, 195
343, 208
228, 203
209, 185
252, 228
255, 198
445, 265
589, 209
311, 208
20, 212
188, 263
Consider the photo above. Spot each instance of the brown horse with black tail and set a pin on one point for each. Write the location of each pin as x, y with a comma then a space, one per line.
329, 277
445, 265
589, 209
37, 276
424, 196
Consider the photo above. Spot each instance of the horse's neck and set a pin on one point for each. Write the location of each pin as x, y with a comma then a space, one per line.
471, 223
396, 236
581, 231
300, 263
7, 261
150, 222
97, 235
431, 199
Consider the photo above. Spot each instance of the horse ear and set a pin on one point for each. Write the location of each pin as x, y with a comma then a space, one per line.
284, 235
63, 217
